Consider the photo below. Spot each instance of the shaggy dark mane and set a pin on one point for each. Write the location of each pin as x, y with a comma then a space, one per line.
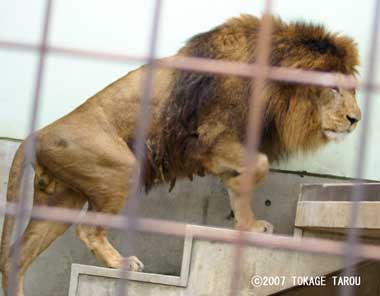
191, 96
322, 46
194, 95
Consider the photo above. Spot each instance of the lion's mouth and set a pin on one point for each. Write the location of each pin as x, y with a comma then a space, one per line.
335, 135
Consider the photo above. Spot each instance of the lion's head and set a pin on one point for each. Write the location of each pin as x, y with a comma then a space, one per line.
340, 113
302, 118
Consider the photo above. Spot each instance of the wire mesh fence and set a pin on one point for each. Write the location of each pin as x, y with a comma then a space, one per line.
260, 72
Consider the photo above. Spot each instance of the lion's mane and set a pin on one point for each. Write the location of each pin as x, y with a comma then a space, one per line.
198, 100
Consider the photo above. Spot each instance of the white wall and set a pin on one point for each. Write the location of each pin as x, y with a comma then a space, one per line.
124, 26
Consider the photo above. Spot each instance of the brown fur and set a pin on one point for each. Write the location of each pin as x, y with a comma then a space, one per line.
195, 98
198, 126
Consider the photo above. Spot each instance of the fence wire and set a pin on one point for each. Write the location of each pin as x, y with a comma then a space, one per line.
132, 206
20, 218
357, 192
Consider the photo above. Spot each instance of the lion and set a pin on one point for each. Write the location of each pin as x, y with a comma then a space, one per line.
197, 127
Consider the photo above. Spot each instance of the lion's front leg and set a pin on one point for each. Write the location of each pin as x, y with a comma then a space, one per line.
240, 197
227, 163
244, 218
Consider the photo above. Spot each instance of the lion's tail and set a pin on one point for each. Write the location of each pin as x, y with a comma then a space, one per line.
14, 186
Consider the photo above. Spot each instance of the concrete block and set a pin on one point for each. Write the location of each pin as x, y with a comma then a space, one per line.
211, 272
327, 208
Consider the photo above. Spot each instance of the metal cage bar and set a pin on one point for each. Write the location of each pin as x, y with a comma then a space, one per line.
357, 192
20, 214
132, 207
256, 113
217, 67
313, 245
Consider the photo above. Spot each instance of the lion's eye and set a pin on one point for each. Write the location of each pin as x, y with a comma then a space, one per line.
335, 90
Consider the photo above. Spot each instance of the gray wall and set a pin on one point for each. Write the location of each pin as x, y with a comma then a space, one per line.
203, 201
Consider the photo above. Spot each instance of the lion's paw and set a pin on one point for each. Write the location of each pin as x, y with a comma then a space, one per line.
131, 263
134, 264
262, 226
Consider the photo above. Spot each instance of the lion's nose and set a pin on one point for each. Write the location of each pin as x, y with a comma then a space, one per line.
352, 119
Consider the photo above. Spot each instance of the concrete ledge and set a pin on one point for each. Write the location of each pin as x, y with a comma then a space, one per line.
180, 281
326, 208
339, 192
337, 214
77, 270
211, 270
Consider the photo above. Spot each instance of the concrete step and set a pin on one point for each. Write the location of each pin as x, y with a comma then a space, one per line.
326, 208
322, 210
209, 273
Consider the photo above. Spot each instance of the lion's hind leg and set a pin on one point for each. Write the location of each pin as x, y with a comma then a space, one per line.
101, 167
109, 198
39, 234
95, 238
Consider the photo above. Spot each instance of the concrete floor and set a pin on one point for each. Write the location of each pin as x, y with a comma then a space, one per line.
203, 201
